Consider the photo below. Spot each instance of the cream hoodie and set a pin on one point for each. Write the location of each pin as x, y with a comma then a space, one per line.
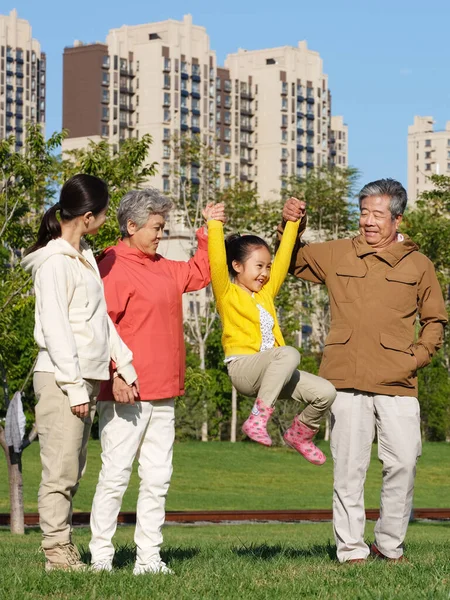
73, 331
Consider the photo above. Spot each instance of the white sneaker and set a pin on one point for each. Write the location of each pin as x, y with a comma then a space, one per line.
154, 566
102, 565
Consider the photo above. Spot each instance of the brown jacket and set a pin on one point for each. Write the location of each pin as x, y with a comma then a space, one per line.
374, 301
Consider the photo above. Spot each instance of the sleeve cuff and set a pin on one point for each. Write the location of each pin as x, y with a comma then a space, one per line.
128, 373
421, 354
202, 238
78, 395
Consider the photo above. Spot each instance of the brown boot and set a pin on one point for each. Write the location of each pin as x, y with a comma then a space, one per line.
63, 556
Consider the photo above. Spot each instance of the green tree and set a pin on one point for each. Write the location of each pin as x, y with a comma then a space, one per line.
122, 171
428, 224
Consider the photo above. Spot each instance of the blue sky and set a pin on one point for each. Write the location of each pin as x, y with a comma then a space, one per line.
386, 60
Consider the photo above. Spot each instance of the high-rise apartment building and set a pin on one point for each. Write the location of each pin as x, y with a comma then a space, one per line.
267, 113
428, 154
22, 78
338, 142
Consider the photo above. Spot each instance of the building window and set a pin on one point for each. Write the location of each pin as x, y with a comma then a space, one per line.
166, 135
284, 136
167, 116
105, 130
195, 121
427, 155
271, 61
227, 134
167, 64
166, 185
105, 78
428, 167
167, 82
105, 112
166, 168
166, 151
195, 104
427, 143
166, 99
154, 36
284, 104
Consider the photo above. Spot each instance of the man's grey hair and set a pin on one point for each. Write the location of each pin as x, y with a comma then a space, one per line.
387, 187
138, 205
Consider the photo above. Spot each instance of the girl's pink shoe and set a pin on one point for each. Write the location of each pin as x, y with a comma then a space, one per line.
255, 427
299, 437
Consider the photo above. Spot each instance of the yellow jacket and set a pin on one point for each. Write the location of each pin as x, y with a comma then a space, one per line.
237, 309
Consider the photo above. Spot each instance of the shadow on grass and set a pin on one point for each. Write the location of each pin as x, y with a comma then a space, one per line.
268, 552
125, 555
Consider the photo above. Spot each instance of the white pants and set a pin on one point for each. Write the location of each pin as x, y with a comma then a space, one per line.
145, 430
354, 417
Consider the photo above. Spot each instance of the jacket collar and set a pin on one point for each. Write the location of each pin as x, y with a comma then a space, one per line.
392, 255
123, 250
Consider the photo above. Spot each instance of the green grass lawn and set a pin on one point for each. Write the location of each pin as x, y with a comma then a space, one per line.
236, 562
220, 475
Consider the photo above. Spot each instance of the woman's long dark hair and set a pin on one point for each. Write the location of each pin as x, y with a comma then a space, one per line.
79, 195
239, 247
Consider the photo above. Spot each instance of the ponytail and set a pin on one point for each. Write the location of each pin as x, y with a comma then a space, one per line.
239, 247
79, 195
49, 229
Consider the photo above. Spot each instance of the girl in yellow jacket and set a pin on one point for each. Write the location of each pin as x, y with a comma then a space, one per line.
259, 363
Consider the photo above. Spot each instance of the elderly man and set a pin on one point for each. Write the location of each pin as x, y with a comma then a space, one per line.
378, 282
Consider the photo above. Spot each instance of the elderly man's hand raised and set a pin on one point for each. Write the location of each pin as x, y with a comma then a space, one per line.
294, 209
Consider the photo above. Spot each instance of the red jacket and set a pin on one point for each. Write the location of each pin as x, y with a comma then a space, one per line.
144, 300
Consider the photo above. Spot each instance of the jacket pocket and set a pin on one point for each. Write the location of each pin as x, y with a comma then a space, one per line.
401, 291
397, 364
349, 282
335, 359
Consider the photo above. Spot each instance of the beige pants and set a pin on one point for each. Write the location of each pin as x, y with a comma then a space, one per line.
63, 439
354, 417
273, 374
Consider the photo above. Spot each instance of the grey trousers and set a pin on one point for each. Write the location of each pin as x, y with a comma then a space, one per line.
273, 374
354, 417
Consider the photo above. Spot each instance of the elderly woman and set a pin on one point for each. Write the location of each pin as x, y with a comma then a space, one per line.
144, 298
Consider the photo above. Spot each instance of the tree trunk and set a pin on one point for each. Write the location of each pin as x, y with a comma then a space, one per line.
14, 462
204, 431
233, 414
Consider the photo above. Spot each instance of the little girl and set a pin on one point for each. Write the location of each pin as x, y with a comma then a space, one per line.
259, 363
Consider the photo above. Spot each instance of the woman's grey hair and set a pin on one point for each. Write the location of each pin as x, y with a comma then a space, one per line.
387, 187
138, 205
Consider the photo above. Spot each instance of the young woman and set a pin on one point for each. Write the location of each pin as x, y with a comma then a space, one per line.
259, 363
76, 341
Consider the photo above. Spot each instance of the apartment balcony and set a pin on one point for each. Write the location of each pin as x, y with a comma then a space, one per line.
105, 100
184, 93
310, 116
243, 177
300, 131
195, 111
195, 129
19, 61
184, 126
126, 72
127, 107
333, 152
9, 127
123, 124
300, 114
19, 129
19, 102
310, 100
309, 164
184, 110
19, 74
300, 98
184, 75
9, 86
310, 148
105, 119
245, 112
18, 88
247, 127
9, 59
300, 164
196, 78
300, 147
9, 72
195, 181
195, 95
244, 160
9, 113
19, 144
309, 131
246, 95
125, 90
